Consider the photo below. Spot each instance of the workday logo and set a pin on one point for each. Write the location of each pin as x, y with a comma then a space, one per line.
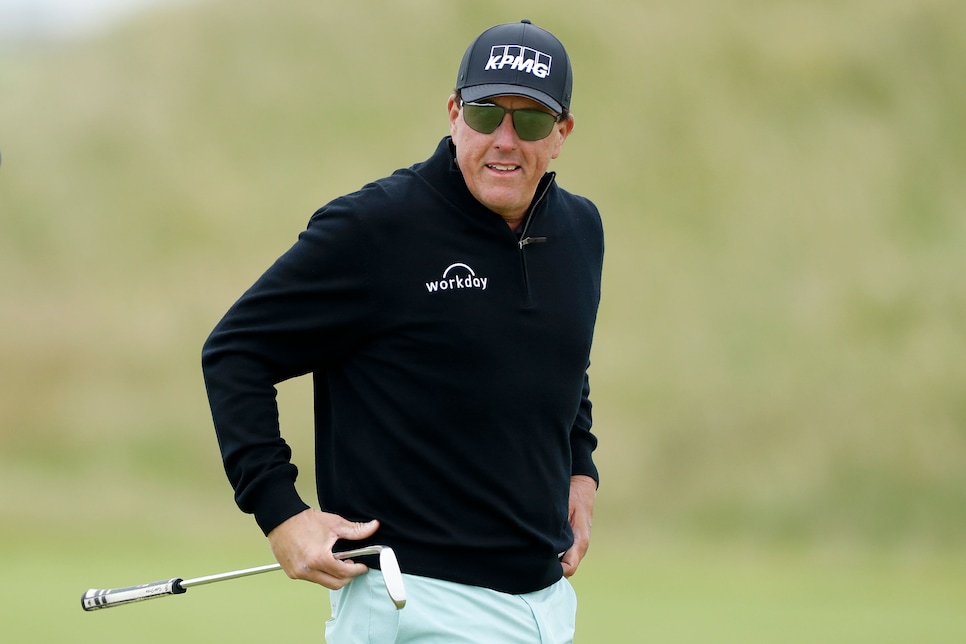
520, 58
456, 277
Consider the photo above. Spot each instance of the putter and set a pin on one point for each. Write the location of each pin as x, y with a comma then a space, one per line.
95, 599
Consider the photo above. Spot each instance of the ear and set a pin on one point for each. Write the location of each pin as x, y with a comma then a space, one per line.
561, 131
454, 112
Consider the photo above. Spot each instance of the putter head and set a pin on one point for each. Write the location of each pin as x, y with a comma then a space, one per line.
393, 576
390, 570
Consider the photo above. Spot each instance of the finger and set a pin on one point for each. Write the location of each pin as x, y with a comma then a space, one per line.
336, 578
330, 572
569, 562
355, 530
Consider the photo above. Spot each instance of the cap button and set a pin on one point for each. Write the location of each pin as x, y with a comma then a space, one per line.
526, 22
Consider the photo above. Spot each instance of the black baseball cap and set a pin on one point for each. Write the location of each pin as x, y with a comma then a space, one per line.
517, 59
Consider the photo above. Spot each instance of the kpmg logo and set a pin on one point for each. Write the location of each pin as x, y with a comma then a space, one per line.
456, 277
520, 58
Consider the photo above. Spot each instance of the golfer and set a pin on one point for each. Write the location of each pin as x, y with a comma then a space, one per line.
446, 314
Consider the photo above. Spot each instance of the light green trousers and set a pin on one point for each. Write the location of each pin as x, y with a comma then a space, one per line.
442, 612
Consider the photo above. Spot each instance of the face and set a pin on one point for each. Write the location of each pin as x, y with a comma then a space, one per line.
500, 169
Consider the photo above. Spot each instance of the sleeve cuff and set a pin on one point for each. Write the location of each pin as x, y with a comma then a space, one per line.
582, 461
276, 502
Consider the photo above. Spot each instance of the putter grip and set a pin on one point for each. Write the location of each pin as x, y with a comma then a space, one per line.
95, 599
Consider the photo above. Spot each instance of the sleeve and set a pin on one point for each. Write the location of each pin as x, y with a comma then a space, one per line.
582, 441
309, 307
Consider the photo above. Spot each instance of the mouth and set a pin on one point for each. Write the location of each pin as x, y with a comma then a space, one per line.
502, 168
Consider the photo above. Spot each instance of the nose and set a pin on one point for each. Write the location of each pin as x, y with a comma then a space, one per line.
506, 134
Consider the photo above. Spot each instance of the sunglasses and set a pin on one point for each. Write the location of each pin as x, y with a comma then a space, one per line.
530, 124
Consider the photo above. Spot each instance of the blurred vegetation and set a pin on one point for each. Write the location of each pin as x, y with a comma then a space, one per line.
780, 349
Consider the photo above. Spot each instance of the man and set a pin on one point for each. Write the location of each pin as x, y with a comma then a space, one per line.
446, 314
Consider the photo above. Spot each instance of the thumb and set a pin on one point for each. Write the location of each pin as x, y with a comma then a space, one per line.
357, 530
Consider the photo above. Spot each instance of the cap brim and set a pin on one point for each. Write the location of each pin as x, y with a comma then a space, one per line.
480, 92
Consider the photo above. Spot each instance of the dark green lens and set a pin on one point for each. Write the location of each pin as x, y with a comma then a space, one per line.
530, 125
483, 118
533, 125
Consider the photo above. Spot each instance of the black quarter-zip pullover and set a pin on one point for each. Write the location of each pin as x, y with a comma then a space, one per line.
449, 360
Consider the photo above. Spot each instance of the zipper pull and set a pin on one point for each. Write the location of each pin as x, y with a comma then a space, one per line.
532, 240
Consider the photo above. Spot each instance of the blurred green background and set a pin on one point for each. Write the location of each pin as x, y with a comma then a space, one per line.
780, 362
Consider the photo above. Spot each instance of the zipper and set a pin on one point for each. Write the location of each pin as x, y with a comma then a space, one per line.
526, 240
531, 240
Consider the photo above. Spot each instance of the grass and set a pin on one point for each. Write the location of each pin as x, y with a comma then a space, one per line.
44, 583
658, 593
718, 596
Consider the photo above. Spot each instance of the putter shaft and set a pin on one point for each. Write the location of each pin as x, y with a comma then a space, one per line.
95, 599
237, 574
